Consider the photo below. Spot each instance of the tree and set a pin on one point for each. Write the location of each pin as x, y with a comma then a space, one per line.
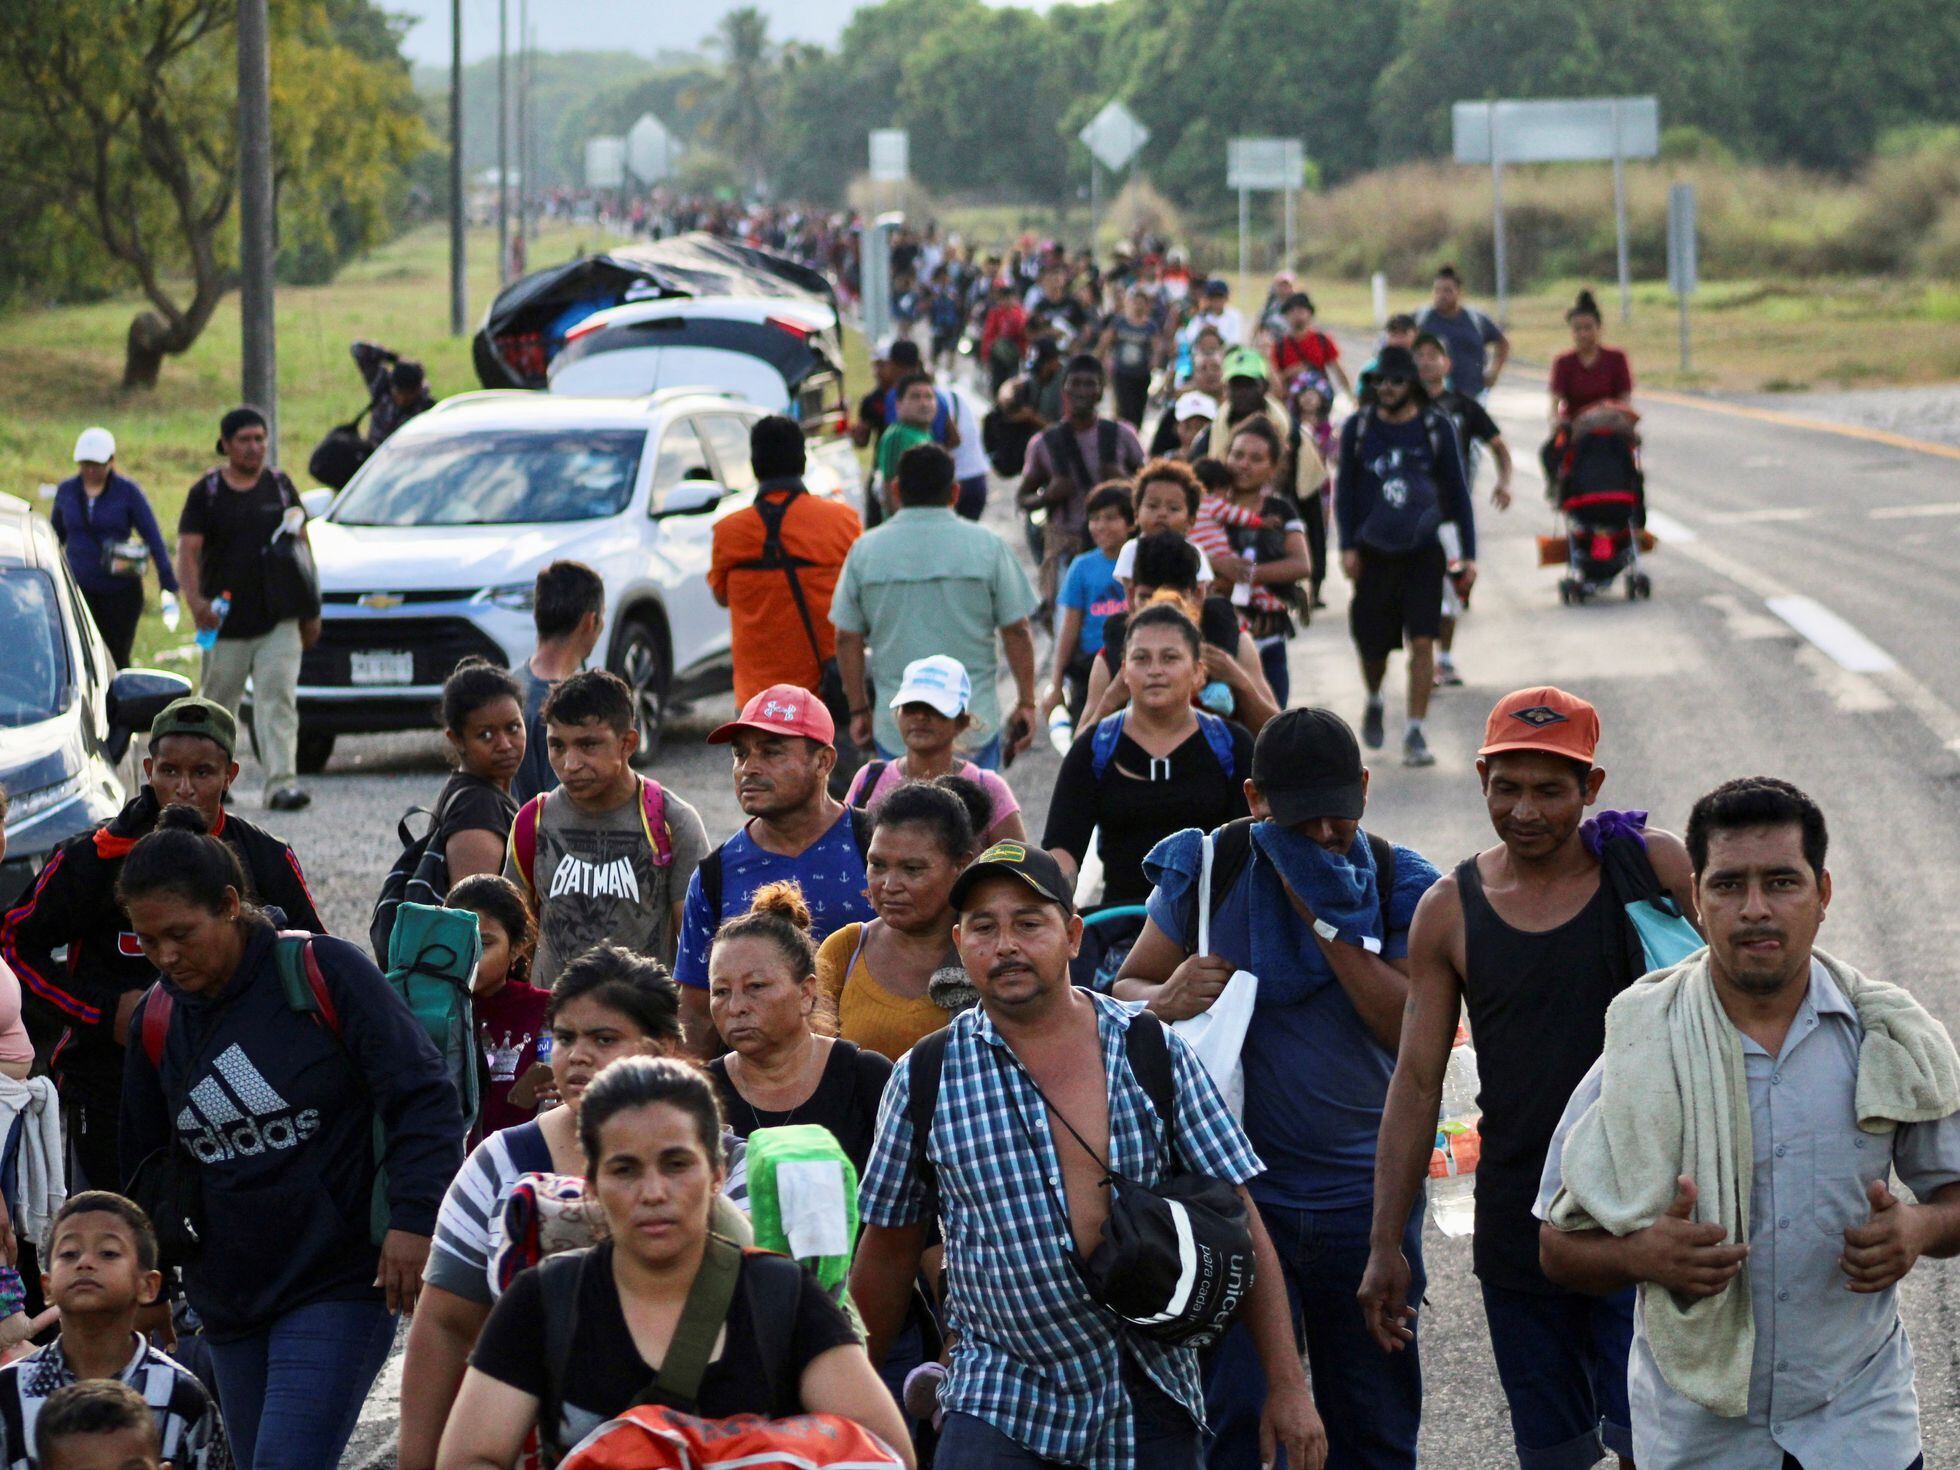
748, 61
984, 102
120, 120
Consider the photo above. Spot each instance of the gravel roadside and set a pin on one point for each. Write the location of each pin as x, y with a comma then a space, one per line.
1931, 413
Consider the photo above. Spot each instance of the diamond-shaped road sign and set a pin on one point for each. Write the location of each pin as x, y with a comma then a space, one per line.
649, 150
1114, 135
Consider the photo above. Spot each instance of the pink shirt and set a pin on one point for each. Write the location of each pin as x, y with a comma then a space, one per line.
14, 1045
891, 778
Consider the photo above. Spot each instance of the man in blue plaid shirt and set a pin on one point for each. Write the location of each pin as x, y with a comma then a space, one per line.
1042, 1375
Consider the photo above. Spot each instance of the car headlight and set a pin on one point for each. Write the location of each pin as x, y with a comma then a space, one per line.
29, 805
513, 597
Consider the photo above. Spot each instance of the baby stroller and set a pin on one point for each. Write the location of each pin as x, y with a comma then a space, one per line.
1601, 496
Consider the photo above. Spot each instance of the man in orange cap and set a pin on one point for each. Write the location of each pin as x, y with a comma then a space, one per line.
1532, 935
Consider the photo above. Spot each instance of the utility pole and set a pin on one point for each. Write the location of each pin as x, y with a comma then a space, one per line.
255, 216
459, 291
524, 131
503, 142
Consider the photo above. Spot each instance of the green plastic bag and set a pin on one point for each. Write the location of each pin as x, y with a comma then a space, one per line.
803, 1199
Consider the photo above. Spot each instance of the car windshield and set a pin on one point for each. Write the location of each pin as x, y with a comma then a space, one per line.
497, 477
34, 673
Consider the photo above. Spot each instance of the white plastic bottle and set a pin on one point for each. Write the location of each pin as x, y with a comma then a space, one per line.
1453, 1161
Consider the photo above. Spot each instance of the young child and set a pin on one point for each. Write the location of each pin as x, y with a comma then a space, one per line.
1166, 499
918, 404
102, 1269
1090, 593
1216, 512
510, 1014
99, 1425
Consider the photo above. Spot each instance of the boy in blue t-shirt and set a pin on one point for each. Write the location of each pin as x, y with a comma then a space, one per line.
1090, 594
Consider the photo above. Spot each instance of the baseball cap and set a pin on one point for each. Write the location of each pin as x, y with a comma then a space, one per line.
904, 352
940, 681
1545, 719
1216, 287
882, 351
204, 718
1195, 406
96, 444
1307, 764
781, 709
1397, 362
1243, 362
1032, 865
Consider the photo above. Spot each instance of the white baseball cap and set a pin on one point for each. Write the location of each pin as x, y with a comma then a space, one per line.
1195, 406
940, 681
96, 445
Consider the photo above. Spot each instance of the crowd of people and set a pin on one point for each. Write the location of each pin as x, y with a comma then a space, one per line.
1685, 1237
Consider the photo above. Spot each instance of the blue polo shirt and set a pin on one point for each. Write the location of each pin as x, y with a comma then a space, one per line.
1316, 1078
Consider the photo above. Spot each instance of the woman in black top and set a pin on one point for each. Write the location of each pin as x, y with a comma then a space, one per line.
483, 721
765, 1001
651, 1130
1162, 775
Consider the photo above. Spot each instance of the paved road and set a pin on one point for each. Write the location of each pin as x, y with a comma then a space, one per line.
1855, 542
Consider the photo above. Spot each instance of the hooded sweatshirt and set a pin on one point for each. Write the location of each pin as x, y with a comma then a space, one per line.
278, 1112
73, 903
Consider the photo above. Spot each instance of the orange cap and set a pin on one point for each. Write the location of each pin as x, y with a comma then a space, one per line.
1544, 719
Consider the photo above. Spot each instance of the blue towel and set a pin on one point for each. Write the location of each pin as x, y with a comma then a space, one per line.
1339, 888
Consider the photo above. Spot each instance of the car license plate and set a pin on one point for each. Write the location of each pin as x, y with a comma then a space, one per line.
392, 667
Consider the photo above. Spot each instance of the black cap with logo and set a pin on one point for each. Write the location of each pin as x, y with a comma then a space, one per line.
1031, 865
1307, 764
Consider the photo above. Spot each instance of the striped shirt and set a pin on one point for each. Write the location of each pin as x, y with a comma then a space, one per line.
1037, 1358
469, 1227
190, 1431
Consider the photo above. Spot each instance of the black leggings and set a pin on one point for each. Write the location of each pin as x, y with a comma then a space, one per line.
117, 612
1132, 398
1313, 510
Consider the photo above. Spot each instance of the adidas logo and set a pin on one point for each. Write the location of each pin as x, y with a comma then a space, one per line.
235, 1113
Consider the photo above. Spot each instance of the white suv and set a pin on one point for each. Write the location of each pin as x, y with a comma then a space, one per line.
431, 552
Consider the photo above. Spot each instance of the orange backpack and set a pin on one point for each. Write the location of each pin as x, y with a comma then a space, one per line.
652, 1437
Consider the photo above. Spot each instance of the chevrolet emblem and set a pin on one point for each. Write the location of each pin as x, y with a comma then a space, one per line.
382, 601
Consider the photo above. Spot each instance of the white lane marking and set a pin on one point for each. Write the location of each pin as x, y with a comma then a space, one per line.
1847, 647
1669, 530
1744, 622
1913, 512
1769, 515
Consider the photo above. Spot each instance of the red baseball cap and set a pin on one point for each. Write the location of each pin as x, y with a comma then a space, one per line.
1544, 719
782, 709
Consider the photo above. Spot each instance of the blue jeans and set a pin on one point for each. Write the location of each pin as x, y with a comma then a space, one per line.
972, 503
1370, 1401
1562, 1361
292, 1393
1166, 1437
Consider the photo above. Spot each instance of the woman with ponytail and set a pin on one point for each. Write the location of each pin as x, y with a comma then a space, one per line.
785, 1063
1591, 372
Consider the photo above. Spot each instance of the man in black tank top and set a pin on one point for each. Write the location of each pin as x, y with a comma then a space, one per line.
1531, 938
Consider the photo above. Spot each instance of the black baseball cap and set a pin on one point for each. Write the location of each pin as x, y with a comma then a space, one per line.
1307, 764
1032, 865
905, 353
1397, 362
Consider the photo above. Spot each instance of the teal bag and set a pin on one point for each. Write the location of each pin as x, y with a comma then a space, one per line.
1660, 935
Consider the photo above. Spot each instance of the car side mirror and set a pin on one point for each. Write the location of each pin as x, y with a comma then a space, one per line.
691, 498
316, 501
136, 698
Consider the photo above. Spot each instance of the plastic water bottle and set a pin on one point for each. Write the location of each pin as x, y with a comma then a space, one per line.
1061, 729
207, 638
172, 613
1453, 1161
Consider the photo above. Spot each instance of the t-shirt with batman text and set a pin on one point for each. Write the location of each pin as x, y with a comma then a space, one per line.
595, 879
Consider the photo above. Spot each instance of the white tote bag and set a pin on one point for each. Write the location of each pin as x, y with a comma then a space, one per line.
1217, 1034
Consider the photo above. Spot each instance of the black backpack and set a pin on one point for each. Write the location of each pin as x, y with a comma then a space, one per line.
1065, 453
420, 875
1175, 1261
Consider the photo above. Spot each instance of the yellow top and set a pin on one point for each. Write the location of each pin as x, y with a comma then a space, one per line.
867, 1013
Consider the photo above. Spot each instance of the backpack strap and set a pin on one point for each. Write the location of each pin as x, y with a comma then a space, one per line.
1218, 735
923, 1067
560, 1280
709, 874
1065, 454
678, 1383
868, 782
653, 822
1149, 1056
1231, 850
775, 559
775, 1287
861, 825
158, 1006
1108, 447
1102, 744
300, 978
1384, 855
529, 1153
524, 840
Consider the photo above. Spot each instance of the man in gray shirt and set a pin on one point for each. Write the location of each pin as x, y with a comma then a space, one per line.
608, 855
1466, 333
1829, 1370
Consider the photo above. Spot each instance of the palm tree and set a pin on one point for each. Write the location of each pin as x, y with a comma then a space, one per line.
749, 70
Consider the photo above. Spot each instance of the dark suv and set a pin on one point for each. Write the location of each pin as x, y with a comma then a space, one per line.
66, 715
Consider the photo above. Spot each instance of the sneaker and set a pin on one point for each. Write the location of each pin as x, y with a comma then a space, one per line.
1372, 733
1416, 751
288, 799
1447, 677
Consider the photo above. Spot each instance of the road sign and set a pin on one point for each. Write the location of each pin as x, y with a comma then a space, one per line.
1265, 163
605, 163
891, 155
1114, 136
1556, 130
649, 150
